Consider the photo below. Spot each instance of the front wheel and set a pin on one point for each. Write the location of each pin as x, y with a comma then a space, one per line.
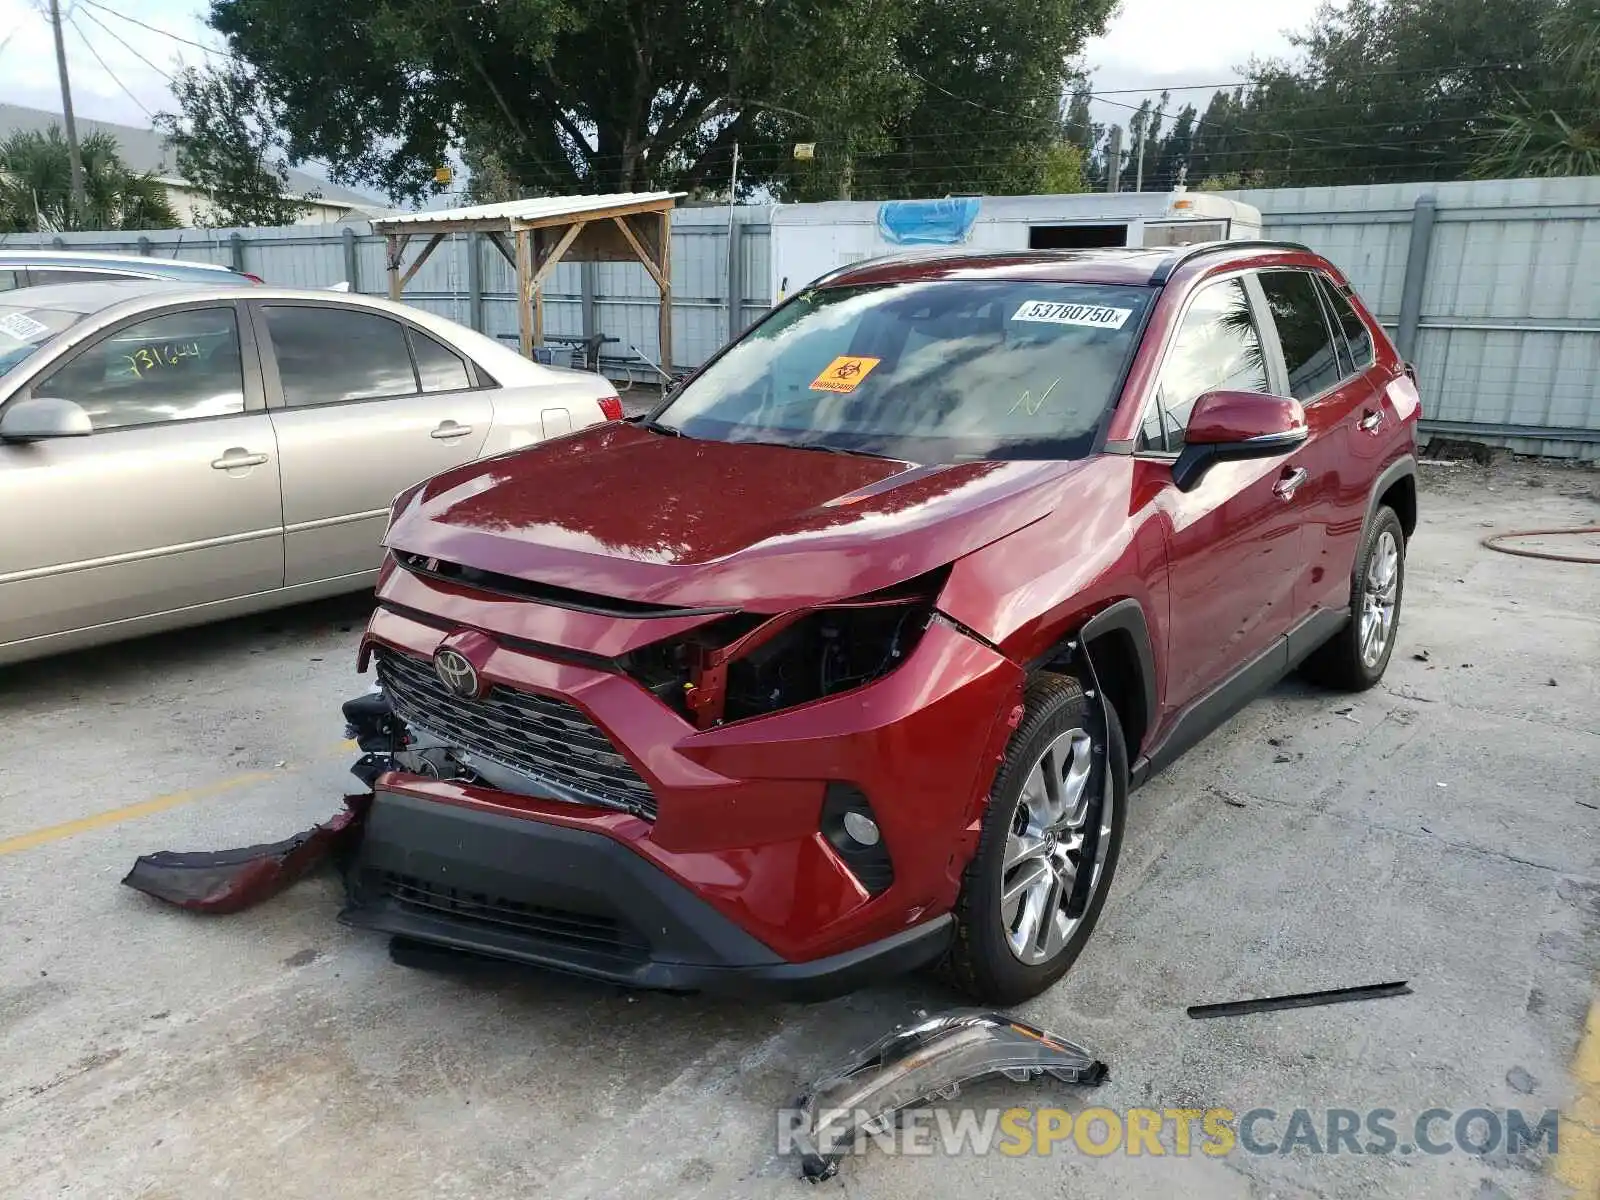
1016, 933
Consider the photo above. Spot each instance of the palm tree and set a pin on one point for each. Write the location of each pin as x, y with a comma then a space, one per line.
36, 187
1561, 135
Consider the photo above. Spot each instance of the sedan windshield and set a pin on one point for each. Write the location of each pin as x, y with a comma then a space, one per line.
23, 330
936, 371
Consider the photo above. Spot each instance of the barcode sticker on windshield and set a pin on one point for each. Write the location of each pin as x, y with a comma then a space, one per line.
1097, 316
23, 327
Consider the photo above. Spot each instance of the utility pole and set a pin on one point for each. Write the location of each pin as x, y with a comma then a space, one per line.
74, 155
1138, 158
1114, 160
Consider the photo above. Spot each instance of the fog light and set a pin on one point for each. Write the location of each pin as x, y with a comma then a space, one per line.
849, 826
862, 828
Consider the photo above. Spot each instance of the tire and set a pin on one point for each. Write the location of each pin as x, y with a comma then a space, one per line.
1345, 662
982, 960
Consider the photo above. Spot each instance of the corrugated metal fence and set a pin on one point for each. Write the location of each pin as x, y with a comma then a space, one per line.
468, 281
1492, 288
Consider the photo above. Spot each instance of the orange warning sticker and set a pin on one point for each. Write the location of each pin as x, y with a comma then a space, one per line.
844, 374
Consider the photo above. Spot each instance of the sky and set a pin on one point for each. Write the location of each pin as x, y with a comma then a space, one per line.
1149, 44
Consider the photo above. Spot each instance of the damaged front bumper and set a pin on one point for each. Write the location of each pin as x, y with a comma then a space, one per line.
226, 881
731, 877
438, 864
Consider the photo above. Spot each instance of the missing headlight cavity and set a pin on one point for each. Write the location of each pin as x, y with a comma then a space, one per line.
750, 664
828, 651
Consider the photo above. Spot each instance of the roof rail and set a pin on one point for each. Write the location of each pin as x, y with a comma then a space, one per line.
1183, 254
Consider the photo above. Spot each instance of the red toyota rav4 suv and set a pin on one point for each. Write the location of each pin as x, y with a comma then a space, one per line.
846, 658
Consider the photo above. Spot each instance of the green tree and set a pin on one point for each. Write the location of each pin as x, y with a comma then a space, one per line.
227, 142
900, 98
1063, 170
36, 187
1172, 152
988, 117
1557, 132
1378, 91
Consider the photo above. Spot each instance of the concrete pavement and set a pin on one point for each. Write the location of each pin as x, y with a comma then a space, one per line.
1442, 830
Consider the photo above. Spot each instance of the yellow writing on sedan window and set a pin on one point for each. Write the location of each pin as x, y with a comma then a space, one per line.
153, 358
844, 374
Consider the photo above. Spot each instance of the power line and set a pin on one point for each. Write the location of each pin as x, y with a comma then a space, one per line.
104, 67
124, 44
164, 33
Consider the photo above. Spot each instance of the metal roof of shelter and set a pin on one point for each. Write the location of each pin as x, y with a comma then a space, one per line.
534, 235
512, 215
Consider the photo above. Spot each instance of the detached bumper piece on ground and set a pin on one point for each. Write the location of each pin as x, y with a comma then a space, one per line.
225, 881
927, 1061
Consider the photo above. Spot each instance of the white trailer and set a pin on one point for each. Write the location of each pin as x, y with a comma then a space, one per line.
809, 240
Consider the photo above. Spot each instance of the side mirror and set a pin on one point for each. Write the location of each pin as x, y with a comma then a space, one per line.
44, 417
1227, 426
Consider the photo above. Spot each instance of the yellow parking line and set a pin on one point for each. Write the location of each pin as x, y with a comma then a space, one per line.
144, 808
128, 812
1578, 1160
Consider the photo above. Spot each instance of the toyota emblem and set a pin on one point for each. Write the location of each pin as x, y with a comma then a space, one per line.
456, 673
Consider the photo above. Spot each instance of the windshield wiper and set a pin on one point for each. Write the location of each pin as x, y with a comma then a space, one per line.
853, 453
655, 426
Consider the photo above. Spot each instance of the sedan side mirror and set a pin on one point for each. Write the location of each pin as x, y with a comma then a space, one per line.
43, 417
1226, 426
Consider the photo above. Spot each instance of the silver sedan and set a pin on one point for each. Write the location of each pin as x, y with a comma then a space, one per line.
171, 454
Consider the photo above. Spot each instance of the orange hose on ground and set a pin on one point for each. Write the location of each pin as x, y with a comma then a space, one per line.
1493, 539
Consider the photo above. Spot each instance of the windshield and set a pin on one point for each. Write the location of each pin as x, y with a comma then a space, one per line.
23, 330
937, 371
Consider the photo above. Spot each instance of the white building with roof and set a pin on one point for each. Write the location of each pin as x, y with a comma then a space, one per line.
147, 151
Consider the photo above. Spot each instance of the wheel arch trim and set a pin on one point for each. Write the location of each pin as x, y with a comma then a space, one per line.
1120, 617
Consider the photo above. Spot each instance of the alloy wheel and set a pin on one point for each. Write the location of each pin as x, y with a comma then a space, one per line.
1379, 598
1044, 850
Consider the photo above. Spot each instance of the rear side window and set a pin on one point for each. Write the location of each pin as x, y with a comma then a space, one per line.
439, 369
1356, 334
1308, 344
180, 366
331, 355
10, 281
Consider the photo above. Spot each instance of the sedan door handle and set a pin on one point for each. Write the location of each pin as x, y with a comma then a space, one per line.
449, 429
1370, 420
1286, 487
237, 456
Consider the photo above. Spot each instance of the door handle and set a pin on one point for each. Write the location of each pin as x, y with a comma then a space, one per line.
1289, 484
237, 456
449, 429
1370, 420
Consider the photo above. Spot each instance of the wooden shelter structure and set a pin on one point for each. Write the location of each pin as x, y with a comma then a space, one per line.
534, 235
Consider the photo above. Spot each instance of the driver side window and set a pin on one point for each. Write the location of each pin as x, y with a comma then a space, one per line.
180, 366
1216, 348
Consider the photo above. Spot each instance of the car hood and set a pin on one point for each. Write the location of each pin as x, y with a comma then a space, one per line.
622, 512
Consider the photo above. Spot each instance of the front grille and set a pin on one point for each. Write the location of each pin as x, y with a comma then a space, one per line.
546, 739
583, 931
